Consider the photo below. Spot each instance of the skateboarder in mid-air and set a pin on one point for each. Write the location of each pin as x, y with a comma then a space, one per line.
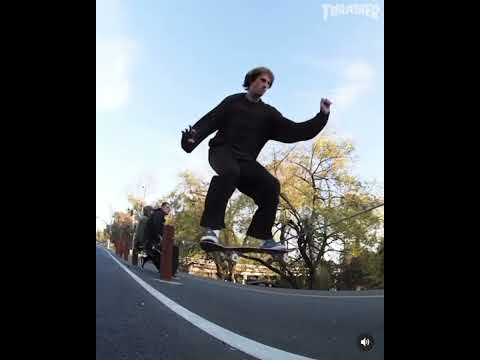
244, 124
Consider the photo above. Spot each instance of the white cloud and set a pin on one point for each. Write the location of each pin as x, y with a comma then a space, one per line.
354, 80
322, 64
113, 64
114, 56
357, 80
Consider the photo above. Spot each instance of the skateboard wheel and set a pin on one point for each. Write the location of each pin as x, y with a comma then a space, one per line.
235, 257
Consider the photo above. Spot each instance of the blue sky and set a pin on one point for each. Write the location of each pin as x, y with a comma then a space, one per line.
162, 64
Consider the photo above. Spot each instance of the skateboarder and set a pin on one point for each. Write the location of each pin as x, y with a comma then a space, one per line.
140, 229
244, 124
153, 234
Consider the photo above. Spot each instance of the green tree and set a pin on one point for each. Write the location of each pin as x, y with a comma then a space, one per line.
324, 209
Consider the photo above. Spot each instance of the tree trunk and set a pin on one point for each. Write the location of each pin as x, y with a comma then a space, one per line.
311, 278
225, 267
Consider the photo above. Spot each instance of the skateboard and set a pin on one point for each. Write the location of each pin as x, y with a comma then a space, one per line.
233, 251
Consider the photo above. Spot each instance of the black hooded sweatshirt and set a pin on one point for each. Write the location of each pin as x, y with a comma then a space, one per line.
246, 126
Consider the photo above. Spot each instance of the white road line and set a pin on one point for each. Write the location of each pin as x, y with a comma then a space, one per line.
250, 347
168, 282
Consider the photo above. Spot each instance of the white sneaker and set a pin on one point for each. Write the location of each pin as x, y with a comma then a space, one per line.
272, 245
209, 236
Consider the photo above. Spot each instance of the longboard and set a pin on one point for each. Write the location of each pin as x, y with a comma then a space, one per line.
211, 247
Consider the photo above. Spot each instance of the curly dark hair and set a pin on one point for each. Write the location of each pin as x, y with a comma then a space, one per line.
256, 72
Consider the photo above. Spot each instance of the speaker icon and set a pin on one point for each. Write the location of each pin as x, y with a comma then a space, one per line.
365, 342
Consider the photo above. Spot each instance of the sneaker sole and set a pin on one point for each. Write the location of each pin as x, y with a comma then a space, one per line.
209, 239
274, 249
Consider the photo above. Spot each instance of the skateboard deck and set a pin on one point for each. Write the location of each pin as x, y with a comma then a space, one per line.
211, 247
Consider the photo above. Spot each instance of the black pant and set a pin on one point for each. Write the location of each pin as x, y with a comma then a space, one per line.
250, 178
156, 257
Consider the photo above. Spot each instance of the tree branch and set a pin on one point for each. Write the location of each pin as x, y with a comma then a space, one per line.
292, 208
303, 167
301, 178
354, 215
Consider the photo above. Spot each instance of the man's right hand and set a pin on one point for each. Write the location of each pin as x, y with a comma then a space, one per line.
189, 134
188, 139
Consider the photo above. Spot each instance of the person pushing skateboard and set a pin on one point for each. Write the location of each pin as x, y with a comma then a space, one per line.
244, 124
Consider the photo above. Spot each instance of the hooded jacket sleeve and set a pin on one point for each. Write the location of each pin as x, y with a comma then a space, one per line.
158, 223
288, 131
208, 124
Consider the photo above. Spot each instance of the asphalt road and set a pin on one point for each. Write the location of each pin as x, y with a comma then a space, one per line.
131, 323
